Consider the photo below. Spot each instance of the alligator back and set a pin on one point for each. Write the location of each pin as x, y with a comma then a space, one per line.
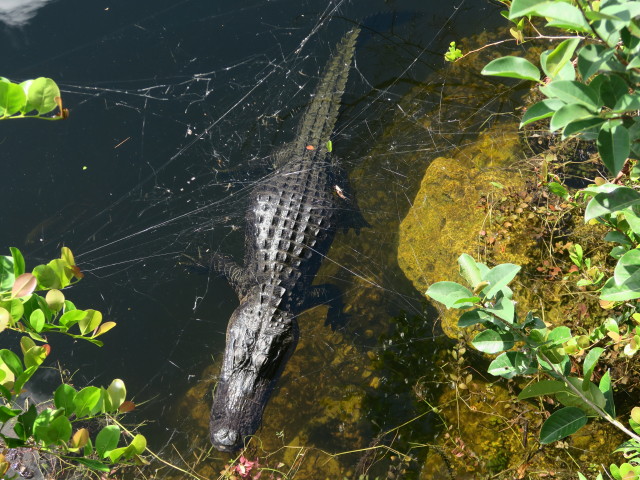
290, 227
291, 222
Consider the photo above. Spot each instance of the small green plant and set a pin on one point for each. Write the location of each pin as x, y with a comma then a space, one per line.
591, 275
527, 346
38, 98
51, 429
453, 53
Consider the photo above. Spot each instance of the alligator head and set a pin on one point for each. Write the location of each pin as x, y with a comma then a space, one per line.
260, 340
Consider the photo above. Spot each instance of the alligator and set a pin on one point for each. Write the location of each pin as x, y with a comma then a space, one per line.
291, 221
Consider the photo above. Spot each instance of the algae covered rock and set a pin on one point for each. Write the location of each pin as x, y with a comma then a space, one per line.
444, 220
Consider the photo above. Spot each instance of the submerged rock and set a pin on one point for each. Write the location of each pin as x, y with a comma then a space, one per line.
444, 220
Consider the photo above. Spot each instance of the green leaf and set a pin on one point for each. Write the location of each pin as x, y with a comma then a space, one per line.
469, 270
12, 99
473, 317
56, 432
510, 364
634, 223
499, 277
614, 145
610, 88
7, 276
7, 413
606, 203
55, 299
590, 362
587, 127
593, 58
558, 189
543, 387
627, 103
490, 341
26, 422
12, 361
93, 464
24, 377
559, 335
117, 393
564, 16
64, 397
561, 15
512, 67
71, 317
40, 94
35, 356
560, 56
562, 423
626, 278
567, 114
503, 307
18, 261
449, 293
590, 392
117, 453
541, 110
139, 444
520, 8
573, 92
107, 440
87, 401
47, 277
607, 391
36, 320
92, 320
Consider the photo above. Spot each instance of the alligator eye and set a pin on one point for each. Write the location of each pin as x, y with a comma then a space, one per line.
238, 357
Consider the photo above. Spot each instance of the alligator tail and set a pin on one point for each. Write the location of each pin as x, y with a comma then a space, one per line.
321, 115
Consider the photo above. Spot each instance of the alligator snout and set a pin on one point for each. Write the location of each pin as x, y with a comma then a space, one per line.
226, 440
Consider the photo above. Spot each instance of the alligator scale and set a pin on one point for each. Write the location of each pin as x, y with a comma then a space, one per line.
290, 224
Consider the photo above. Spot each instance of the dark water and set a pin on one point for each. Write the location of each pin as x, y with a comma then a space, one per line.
175, 107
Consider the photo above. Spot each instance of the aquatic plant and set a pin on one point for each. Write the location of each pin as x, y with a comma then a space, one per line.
58, 427
38, 98
527, 346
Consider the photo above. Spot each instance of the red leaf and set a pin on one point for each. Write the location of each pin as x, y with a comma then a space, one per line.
24, 285
76, 271
126, 406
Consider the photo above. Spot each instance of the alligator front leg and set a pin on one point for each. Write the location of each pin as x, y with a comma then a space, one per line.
227, 267
330, 295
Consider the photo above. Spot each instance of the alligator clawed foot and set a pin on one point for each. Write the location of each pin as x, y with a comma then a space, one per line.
330, 295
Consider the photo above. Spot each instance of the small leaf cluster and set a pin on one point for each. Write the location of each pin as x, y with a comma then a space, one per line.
527, 346
618, 207
23, 310
52, 429
37, 98
592, 79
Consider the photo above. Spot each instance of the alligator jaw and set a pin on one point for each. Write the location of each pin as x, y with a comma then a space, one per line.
260, 340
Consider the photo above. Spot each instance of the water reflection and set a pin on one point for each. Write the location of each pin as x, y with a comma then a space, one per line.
17, 13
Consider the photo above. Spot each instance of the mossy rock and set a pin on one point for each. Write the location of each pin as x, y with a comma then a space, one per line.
444, 220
